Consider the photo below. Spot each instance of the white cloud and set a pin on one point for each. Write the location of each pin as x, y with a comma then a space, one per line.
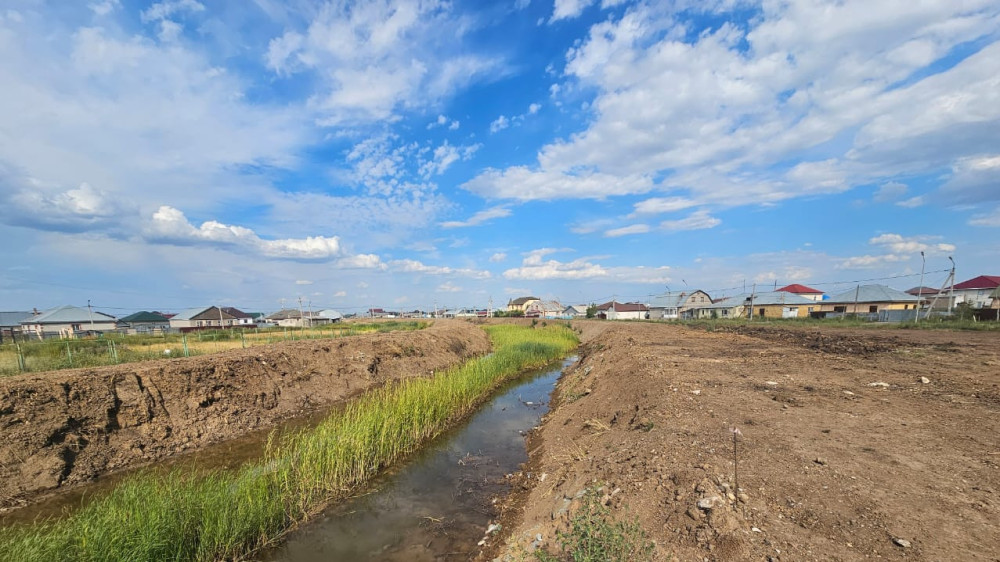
807, 98
85, 208
568, 9
890, 191
340, 294
695, 221
448, 287
104, 7
164, 10
868, 261
454, 125
533, 267
170, 226
374, 59
657, 205
414, 266
446, 155
522, 183
499, 124
479, 218
899, 244
912, 202
626, 230
974, 179
498, 257
986, 219
303, 282
533, 108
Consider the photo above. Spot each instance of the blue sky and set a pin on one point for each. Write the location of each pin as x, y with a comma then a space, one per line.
402, 154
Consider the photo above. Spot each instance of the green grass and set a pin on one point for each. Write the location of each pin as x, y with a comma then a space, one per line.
596, 536
110, 349
231, 515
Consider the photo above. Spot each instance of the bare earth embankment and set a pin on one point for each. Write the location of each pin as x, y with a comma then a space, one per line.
856, 444
66, 427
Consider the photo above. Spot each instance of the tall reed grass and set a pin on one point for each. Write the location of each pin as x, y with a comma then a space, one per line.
231, 515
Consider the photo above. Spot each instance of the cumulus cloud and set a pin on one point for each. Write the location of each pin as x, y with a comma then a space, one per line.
498, 257
897, 248
657, 205
84, 208
373, 59
499, 124
804, 99
479, 218
534, 267
448, 287
169, 226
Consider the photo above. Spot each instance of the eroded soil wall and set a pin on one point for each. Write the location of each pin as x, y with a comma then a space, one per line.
64, 427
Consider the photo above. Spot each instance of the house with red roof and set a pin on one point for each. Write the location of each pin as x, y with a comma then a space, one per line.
623, 311
814, 295
978, 292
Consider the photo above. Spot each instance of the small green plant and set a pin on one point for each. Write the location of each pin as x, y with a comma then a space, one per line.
595, 536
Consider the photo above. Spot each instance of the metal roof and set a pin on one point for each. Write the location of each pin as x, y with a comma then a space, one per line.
673, 299
145, 316
190, 313
766, 298
330, 314
981, 282
800, 290
10, 319
68, 315
871, 293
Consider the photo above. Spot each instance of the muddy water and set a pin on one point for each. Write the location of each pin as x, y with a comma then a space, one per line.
438, 505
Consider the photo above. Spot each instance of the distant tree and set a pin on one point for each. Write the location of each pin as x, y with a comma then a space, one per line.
964, 311
592, 310
515, 313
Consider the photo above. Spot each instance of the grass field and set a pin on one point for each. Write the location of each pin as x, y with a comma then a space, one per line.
111, 349
231, 515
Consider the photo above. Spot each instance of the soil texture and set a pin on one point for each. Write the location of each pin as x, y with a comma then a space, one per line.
852, 444
67, 427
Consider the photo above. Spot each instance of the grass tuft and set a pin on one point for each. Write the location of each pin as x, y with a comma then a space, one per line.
231, 515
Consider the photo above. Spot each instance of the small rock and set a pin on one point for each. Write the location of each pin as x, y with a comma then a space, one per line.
709, 502
743, 497
770, 383
756, 530
901, 542
696, 392
879, 384
694, 514
848, 393
925, 380
820, 461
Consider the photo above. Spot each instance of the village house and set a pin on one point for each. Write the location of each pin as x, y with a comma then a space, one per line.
328, 316
623, 311
520, 304
674, 305
575, 311
290, 318
543, 309
766, 304
868, 299
202, 318
67, 322
145, 322
10, 324
805, 292
242, 318
978, 291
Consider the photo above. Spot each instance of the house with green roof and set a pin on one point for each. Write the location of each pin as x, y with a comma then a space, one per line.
145, 322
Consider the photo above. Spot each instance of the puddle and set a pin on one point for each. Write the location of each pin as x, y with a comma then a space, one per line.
438, 504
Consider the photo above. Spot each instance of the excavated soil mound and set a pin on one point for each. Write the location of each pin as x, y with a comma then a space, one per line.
845, 453
64, 427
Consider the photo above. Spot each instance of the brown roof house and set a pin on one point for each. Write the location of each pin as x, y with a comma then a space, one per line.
623, 311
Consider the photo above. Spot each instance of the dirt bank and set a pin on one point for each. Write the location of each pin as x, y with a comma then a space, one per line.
65, 427
855, 444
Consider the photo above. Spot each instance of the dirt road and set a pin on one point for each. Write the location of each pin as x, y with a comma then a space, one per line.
67, 427
856, 444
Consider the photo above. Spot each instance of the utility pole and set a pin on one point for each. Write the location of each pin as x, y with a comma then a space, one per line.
302, 317
489, 311
857, 293
951, 288
310, 313
90, 312
220, 317
752, 295
920, 287
435, 309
